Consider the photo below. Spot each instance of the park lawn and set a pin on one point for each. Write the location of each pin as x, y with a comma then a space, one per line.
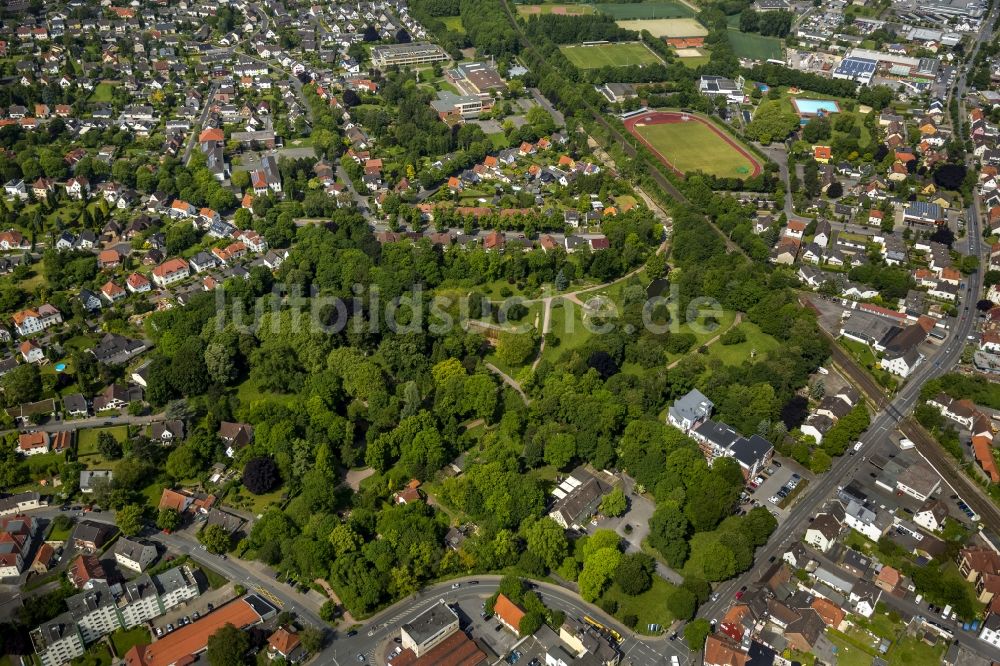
757, 341
910, 651
645, 10
609, 55
248, 393
453, 23
566, 324
702, 336
650, 606
695, 146
756, 47
86, 442
124, 640
102, 92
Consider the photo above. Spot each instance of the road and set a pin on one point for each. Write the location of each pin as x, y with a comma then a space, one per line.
888, 417
908, 608
637, 651
90, 422
196, 130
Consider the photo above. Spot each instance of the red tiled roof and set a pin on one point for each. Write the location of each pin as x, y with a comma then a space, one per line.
179, 646
507, 610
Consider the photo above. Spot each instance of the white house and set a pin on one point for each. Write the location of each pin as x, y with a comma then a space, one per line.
134, 555
823, 532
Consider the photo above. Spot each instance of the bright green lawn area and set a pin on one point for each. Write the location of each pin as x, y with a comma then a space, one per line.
609, 55
124, 640
861, 352
566, 324
255, 504
453, 23
697, 146
86, 443
443, 85
39, 463
849, 653
645, 10
214, 578
695, 61
650, 606
911, 651
757, 341
248, 393
701, 335
102, 92
59, 535
757, 47
499, 140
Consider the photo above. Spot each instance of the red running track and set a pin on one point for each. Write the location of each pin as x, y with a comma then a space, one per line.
668, 117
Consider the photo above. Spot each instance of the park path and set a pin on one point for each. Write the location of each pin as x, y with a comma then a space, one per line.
736, 321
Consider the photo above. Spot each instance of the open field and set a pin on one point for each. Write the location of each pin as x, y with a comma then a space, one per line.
645, 10
609, 55
453, 23
569, 10
668, 27
755, 47
692, 145
102, 92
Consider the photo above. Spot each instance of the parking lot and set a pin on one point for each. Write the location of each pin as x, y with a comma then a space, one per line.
774, 482
199, 605
470, 612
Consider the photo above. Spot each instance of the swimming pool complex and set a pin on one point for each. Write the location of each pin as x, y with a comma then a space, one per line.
814, 107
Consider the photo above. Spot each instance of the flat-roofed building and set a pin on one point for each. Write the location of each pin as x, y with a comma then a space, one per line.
415, 53
427, 630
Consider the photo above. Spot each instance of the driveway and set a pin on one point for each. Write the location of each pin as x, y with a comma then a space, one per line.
640, 510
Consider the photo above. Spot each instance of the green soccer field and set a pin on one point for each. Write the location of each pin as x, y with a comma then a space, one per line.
609, 55
756, 47
693, 146
645, 10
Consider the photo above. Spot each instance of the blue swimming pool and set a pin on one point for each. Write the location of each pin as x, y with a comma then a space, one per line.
60, 367
814, 107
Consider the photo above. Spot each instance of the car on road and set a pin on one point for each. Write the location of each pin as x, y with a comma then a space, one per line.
195, 615
352, 633
473, 582
159, 631
773, 499
170, 627
361, 657
776, 463
498, 627
456, 586
738, 595
771, 559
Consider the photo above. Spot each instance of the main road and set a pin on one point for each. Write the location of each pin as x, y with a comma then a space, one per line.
638, 651
888, 417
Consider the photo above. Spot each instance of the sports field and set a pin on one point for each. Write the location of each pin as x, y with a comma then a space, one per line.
619, 54
667, 27
645, 10
687, 142
570, 10
754, 47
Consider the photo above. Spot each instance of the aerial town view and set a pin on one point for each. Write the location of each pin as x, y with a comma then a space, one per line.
496, 332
